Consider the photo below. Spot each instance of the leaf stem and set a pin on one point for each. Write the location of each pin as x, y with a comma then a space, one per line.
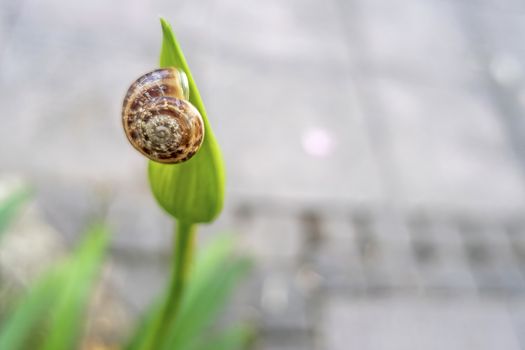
182, 260
184, 241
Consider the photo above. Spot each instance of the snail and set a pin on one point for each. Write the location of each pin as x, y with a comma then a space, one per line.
158, 119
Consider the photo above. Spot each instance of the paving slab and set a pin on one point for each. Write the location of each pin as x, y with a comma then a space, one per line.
432, 155
412, 40
337, 260
441, 260
418, 324
271, 240
284, 304
489, 253
517, 311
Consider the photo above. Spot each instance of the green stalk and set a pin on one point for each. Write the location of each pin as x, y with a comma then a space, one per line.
184, 242
184, 247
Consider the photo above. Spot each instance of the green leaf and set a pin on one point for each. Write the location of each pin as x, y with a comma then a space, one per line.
192, 191
69, 311
61, 294
203, 301
10, 207
28, 312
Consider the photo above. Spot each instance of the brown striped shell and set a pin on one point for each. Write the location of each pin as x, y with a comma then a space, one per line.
158, 119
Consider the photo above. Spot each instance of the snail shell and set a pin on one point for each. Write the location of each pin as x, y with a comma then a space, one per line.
158, 119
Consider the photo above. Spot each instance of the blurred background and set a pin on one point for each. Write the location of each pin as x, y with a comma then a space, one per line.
375, 155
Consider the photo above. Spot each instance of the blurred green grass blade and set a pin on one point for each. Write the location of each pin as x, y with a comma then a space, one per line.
11, 206
69, 311
61, 293
236, 338
192, 191
202, 303
29, 312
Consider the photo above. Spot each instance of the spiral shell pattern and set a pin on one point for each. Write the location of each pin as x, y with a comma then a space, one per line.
159, 121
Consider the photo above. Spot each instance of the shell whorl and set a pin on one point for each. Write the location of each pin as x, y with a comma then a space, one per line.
158, 120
